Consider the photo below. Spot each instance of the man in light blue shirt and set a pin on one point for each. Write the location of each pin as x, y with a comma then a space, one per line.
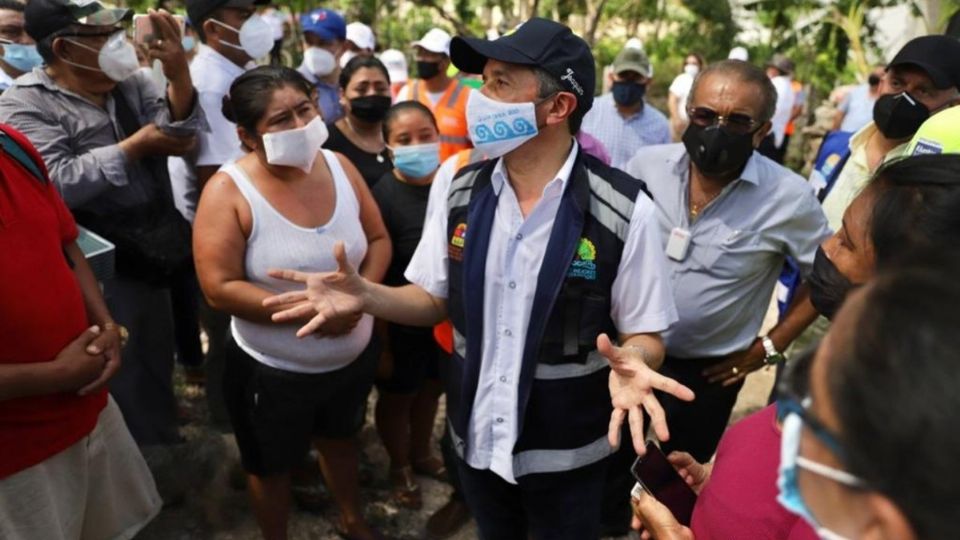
729, 217
622, 120
856, 108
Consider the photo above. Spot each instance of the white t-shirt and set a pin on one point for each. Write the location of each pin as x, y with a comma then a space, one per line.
681, 87
218, 144
785, 101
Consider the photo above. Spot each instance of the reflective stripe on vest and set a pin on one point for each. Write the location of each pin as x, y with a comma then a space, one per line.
546, 461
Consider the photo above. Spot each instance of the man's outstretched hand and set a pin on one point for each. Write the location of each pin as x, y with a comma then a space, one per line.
632, 383
333, 295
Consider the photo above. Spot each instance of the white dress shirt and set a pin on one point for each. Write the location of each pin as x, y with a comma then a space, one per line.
784, 110
641, 297
212, 74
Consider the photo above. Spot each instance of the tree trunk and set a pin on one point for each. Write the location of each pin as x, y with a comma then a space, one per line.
596, 14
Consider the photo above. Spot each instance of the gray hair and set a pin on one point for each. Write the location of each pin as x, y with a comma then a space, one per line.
549, 85
744, 72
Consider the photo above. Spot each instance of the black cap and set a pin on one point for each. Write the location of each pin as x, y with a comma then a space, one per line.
938, 55
44, 17
197, 10
537, 42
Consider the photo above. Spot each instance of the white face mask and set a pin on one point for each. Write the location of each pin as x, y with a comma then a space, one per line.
296, 147
256, 36
117, 58
346, 57
691, 69
497, 128
319, 61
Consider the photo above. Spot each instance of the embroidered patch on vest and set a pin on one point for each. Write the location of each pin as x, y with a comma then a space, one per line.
457, 241
583, 265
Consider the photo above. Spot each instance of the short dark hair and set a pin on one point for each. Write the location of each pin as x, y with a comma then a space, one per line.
698, 56
198, 24
13, 5
400, 108
356, 64
894, 385
917, 206
250, 93
743, 72
549, 85
45, 45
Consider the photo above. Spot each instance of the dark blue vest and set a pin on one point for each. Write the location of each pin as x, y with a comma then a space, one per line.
563, 399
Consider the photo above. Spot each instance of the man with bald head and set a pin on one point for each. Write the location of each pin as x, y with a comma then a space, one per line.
729, 217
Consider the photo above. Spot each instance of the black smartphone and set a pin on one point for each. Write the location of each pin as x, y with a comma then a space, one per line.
661, 480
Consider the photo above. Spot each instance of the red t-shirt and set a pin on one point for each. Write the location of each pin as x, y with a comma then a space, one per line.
41, 311
740, 499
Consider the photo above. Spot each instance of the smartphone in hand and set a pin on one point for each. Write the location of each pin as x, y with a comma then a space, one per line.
660, 479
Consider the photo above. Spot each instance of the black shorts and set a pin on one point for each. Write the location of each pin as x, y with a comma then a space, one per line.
276, 413
415, 359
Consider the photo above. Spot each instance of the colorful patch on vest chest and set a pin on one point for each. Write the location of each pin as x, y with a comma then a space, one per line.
583, 265
457, 241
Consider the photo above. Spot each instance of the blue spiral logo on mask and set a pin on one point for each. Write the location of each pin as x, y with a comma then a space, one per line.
502, 131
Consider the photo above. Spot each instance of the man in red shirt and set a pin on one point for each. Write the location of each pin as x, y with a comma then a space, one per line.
68, 465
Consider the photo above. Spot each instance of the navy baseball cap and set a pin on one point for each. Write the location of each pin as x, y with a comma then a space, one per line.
326, 24
537, 43
937, 55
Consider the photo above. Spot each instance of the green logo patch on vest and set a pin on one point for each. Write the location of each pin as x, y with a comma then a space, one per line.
583, 265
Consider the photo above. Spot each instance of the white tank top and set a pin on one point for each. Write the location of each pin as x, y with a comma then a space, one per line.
275, 242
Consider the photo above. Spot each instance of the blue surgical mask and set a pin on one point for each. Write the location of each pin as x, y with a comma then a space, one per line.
790, 462
21, 57
188, 42
417, 160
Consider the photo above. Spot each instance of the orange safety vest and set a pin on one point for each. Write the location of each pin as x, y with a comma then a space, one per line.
451, 115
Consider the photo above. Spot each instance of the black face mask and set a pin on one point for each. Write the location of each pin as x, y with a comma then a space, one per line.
370, 108
828, 287
627, 93
427, 70
899, 116
716, 152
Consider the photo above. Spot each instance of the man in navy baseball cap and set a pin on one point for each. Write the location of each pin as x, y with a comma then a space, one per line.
528, 402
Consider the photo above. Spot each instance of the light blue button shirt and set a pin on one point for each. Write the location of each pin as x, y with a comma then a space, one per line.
722, 288
622, 137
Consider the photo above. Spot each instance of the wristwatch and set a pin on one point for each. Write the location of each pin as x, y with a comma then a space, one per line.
773, 356
121, 329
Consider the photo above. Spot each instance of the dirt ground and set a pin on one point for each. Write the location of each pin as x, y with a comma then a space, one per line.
212, 509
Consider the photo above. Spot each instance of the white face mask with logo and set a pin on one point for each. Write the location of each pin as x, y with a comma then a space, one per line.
497, 128
256, 36
296, 147
117, 58
319, 61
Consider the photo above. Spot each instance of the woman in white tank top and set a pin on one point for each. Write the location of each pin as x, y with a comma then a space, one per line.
285, 204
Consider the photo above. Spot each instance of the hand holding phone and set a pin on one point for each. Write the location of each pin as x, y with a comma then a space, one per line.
658, 477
